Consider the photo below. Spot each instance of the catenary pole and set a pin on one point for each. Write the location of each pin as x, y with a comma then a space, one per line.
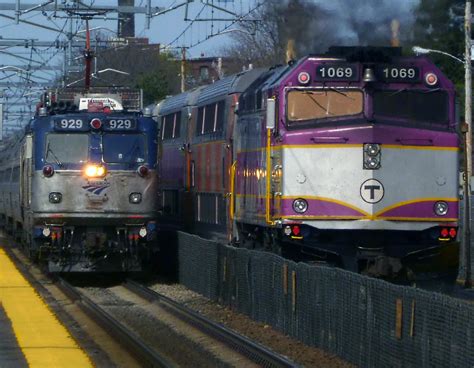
468, 142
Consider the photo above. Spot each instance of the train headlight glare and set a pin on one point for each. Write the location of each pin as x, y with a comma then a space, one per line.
135, 198
46, 232
142, 232
287, 230
300, 205
441, 208
372, 149
55, 197
95, 171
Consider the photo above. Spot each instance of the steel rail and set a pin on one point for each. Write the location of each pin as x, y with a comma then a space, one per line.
128, 339
243, 345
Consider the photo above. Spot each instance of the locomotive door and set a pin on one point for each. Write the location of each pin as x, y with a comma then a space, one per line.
26, 154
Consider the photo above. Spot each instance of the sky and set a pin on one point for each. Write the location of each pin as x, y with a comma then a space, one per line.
171, 29
202, 38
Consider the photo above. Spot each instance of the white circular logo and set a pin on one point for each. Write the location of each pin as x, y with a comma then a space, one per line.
371, 191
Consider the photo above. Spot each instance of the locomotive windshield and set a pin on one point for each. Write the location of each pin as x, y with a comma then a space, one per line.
124, 148
417, 106
66, 148
306, 105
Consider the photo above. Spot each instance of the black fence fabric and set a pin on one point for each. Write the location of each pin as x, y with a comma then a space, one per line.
366, 321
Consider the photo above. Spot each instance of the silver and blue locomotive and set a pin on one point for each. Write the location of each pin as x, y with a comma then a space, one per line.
78, 187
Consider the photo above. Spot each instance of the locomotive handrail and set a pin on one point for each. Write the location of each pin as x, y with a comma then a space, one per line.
268, 218
232, 190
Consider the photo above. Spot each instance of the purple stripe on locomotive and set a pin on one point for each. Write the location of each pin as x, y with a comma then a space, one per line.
360, 134
321, 208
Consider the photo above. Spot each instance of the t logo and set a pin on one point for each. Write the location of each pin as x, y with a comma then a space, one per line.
372, 191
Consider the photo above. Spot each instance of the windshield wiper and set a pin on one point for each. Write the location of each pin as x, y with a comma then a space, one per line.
134, 151
432, 90
49, 150
397, 92
340, 92
317, 103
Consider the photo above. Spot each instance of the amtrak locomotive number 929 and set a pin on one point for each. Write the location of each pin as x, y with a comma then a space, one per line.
78, 186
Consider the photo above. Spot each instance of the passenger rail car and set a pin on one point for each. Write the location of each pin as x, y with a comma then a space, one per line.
79, 186
350, 157
195, 154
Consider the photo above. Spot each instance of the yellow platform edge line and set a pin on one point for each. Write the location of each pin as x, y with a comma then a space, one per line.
43, 339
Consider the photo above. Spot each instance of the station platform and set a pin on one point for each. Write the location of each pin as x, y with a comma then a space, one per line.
30, 333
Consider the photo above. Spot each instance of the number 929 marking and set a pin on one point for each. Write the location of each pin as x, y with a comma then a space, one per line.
69, 124
120, 124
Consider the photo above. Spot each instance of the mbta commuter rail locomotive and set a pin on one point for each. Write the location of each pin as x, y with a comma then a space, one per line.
351, 156
78, 186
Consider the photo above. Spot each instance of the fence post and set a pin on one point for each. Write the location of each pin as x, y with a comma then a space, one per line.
399, 319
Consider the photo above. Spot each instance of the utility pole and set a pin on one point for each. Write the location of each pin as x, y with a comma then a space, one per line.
183, 69
126, 23
1, 121
468, 145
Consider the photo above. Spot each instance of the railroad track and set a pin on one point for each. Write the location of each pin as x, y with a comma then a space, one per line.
128, 339
251, 350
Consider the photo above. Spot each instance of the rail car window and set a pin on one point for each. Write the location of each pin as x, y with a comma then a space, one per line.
123, 148
220, 117
210, 118
171, 126
306, 105
210, 208
418, 106
66, 148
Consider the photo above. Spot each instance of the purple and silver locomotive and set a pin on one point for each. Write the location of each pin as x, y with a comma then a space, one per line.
350, 157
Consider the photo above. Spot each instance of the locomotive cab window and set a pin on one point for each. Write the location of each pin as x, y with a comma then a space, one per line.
66, 148
124, 148
418, 106
304, 105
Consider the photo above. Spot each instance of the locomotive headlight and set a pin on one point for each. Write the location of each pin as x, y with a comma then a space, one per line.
300, 205
95, 171
372, 156
142, 232
46, 232
55, 197
372, 163
441, 208
372, 149
135, 198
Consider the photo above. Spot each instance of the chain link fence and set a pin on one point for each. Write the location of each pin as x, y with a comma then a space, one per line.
366, 321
